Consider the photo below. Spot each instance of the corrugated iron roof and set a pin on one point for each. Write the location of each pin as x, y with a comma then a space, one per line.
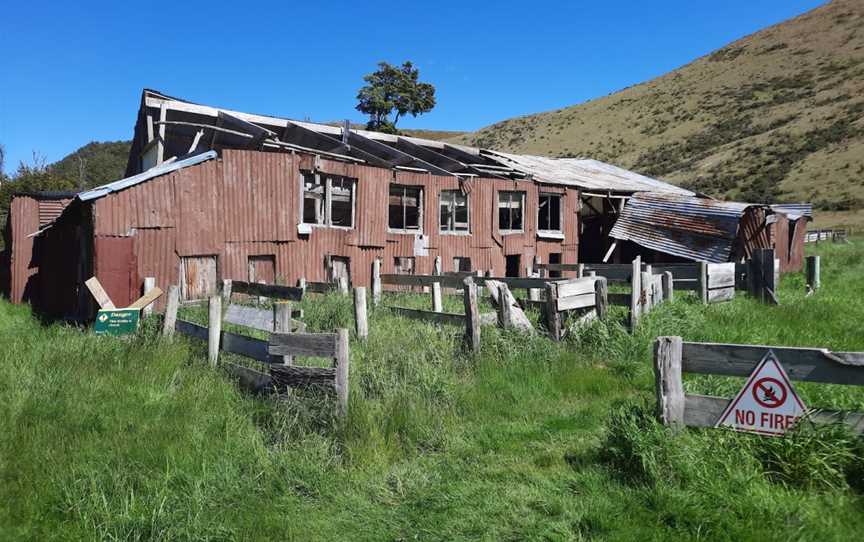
105, 189
794, 210
585, 173
689, 227
437, 157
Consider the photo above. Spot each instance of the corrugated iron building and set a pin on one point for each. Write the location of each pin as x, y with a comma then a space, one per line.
198, 221
213, 194
19, 264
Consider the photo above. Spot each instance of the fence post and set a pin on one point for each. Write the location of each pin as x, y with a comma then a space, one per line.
505, 314
343, 285
667, 380
343, 360
635, 290
813, 272
601, 297
149, 284
301, 283
437, 304
214, 328
376, 281
668, 286
702, 266
553, 317
227, 286
645, 298
362, 324
171, 311
472, 314
580, 270
437, 268
282, 324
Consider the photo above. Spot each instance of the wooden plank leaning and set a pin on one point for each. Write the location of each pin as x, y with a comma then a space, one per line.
99, 293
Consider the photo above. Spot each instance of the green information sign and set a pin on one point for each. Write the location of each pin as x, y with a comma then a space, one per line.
117, 321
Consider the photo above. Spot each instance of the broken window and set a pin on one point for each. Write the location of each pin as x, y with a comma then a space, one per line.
454, 211
549, 213
313, 199
328, 200
461, 264
510, 206
405, 206
403, 265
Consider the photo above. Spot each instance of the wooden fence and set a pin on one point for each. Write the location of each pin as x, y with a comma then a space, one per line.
278, 353
568, 295
833, 235
673, 357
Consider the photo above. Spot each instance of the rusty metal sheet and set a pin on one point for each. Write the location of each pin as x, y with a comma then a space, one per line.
689, 227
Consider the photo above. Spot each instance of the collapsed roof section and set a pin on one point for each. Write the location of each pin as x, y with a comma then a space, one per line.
688, 227
169, 127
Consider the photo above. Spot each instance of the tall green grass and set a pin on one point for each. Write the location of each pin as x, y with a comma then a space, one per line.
136, 439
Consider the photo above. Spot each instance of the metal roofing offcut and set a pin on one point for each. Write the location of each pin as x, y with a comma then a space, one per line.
689, 227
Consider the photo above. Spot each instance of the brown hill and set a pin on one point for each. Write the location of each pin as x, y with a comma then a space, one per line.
775, 116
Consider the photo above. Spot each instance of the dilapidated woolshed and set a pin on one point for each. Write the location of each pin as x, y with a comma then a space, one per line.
213, 194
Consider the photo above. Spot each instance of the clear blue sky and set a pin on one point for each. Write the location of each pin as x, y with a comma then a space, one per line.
72, 72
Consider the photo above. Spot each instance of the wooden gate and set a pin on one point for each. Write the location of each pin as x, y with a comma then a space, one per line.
198, 277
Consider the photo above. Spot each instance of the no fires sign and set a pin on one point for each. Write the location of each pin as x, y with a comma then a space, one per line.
767, 404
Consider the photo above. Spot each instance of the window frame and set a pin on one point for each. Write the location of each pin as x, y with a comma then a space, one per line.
522, 197
325, 219
420, 202
442, 195
543, 232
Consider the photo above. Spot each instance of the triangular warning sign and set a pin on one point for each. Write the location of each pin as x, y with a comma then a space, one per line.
767, 404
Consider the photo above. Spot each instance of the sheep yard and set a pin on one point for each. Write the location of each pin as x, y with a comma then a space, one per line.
104, 438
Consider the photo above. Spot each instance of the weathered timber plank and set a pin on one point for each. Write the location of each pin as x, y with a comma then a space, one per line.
687, 271
191, 330
807, 364
576, 301
249, 379
99, 293
322, 345
148, 298
321, 287
721, 275
245, 346
668, 385
705, 410
296, 376
575, 287
430, 316
168, 324
721, 294
267, 290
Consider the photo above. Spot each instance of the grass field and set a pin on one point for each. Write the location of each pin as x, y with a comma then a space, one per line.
137, 440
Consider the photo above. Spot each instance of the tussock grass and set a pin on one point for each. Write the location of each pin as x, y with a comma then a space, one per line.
137, 440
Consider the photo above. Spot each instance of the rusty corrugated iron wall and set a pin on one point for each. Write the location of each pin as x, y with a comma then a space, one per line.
248, 204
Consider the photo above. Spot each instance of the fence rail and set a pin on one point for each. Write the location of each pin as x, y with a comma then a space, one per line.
673, 357
833, 235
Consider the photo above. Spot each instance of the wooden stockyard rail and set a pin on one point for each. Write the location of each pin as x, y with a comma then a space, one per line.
673, 357
833, 235
279, 352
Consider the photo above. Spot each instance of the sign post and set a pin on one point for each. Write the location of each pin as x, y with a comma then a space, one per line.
767, 404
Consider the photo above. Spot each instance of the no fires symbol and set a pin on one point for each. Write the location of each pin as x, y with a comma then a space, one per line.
769, 392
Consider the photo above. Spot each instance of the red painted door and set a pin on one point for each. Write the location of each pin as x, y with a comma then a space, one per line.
117, 269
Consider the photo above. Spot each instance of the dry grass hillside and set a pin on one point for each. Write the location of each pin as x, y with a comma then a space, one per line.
775, 116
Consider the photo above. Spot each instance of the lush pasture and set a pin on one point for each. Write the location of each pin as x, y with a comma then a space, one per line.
137, 440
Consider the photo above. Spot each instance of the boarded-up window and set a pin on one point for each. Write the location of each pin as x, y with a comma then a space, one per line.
453, 211
339, 266
549, 213
328, 200
510, 205
461, 264
405, 208
198, 277
403, 265
262, 269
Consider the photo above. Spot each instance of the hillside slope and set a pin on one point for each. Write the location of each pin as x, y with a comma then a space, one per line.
775, 116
